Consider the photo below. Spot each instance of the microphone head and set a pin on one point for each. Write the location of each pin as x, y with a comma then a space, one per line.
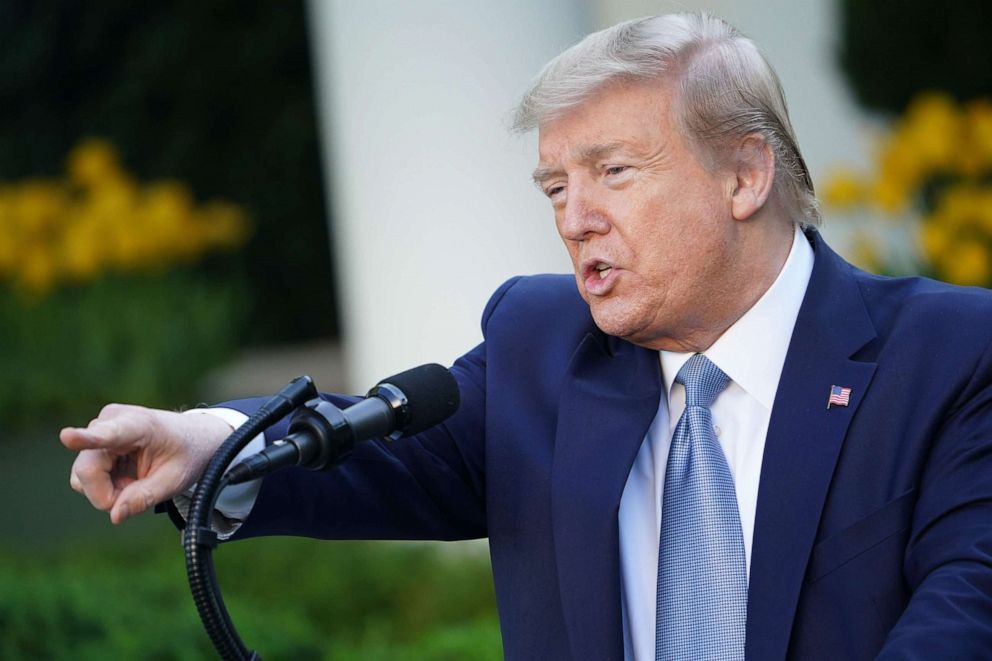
428, 395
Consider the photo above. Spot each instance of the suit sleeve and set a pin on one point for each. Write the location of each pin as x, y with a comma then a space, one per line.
429, 486
948, 561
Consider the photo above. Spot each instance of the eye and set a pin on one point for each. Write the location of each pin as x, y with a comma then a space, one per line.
613, 170
554, 190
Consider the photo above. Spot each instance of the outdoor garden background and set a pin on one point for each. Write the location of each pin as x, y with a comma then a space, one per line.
163, 216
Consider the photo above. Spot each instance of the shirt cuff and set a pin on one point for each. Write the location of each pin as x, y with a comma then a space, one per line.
235, 502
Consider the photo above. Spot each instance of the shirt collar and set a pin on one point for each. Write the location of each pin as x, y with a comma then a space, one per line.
752, 351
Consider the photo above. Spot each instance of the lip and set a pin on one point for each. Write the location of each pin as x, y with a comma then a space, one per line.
596, 285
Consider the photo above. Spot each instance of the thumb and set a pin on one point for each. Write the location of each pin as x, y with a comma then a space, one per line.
141, 495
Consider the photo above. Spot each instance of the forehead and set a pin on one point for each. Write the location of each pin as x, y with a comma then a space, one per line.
620, 114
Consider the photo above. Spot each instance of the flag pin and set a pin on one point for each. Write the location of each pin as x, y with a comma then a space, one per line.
839, 396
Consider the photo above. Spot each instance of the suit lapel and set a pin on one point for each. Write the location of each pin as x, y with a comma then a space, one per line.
609, 399
803, 443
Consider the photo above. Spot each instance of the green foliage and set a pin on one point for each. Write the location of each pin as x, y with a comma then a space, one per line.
355, 601
893, 49
141, 339
216, 94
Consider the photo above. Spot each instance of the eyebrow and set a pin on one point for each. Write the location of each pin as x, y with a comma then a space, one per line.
585, 154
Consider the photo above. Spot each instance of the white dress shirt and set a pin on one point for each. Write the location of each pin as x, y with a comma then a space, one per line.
235, 502
751, 352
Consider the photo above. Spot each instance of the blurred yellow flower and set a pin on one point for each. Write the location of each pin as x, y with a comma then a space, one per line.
82, 251
978, 145
891, 195
933, 130
935, 239
99, 219
224, 224
969, 264
92, 161
9, 235
937, 158
866, 252
844, 189
38, 206
37, 271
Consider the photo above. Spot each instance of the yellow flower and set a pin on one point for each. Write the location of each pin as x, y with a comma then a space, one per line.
969, 264
37, 270
114, 197
966, 206
9, 232
978, 146
98, 218
82, 250
866, 253
844, 189
165, 211
890, 194
38, 206
935, 239
984, 205
933, 127
92, 161
939, 153
224, 225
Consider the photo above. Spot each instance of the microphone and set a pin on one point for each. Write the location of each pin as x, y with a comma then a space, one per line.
321, 434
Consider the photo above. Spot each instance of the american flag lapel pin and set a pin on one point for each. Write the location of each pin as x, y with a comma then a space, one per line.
839, 396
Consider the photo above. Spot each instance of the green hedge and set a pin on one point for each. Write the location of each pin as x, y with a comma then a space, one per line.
140, 339
289, 598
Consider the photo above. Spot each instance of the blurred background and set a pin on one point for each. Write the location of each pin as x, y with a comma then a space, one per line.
200, 201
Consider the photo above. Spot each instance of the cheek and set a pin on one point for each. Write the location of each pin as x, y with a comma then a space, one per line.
674, 245
573, 252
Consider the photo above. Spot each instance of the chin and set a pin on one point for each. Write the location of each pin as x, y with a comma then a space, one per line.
612, 323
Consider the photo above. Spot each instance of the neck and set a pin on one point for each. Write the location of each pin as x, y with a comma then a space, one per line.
762, 252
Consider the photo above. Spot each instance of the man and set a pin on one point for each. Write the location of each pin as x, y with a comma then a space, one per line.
719, 440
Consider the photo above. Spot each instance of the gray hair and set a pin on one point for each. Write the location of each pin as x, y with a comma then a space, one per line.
723, 86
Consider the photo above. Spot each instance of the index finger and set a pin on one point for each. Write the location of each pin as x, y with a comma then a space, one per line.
80, 438
121, 433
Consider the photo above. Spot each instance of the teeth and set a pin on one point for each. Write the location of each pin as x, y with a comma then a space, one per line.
604, 270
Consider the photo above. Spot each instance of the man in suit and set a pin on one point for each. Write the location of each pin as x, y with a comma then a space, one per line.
717, 440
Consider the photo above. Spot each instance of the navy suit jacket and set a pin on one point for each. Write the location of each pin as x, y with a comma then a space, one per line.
874, 520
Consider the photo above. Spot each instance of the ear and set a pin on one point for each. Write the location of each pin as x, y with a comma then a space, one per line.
755, 173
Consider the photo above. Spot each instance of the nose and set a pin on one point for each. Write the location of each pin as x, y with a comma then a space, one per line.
582, 214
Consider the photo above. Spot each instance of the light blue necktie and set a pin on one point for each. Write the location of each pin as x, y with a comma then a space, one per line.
702, 578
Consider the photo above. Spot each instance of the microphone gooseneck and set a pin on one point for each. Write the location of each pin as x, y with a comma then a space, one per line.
321, 434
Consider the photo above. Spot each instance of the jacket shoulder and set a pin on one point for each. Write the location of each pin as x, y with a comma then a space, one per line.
535, 299
935, 310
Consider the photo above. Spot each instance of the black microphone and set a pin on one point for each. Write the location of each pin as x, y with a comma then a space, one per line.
321, 434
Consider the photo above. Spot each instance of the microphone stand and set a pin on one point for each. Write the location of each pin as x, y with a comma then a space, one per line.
199, 540
326, 435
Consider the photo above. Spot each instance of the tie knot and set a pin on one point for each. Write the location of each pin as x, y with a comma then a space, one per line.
703, 381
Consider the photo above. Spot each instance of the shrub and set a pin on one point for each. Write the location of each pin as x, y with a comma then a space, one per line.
289, 598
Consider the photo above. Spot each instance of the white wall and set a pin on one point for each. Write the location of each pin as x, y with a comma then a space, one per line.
432, 201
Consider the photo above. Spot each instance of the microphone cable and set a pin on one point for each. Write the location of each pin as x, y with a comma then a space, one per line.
199, 540
320, 435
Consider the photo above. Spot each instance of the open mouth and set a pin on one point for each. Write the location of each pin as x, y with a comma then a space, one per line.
596, 269
599, 277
